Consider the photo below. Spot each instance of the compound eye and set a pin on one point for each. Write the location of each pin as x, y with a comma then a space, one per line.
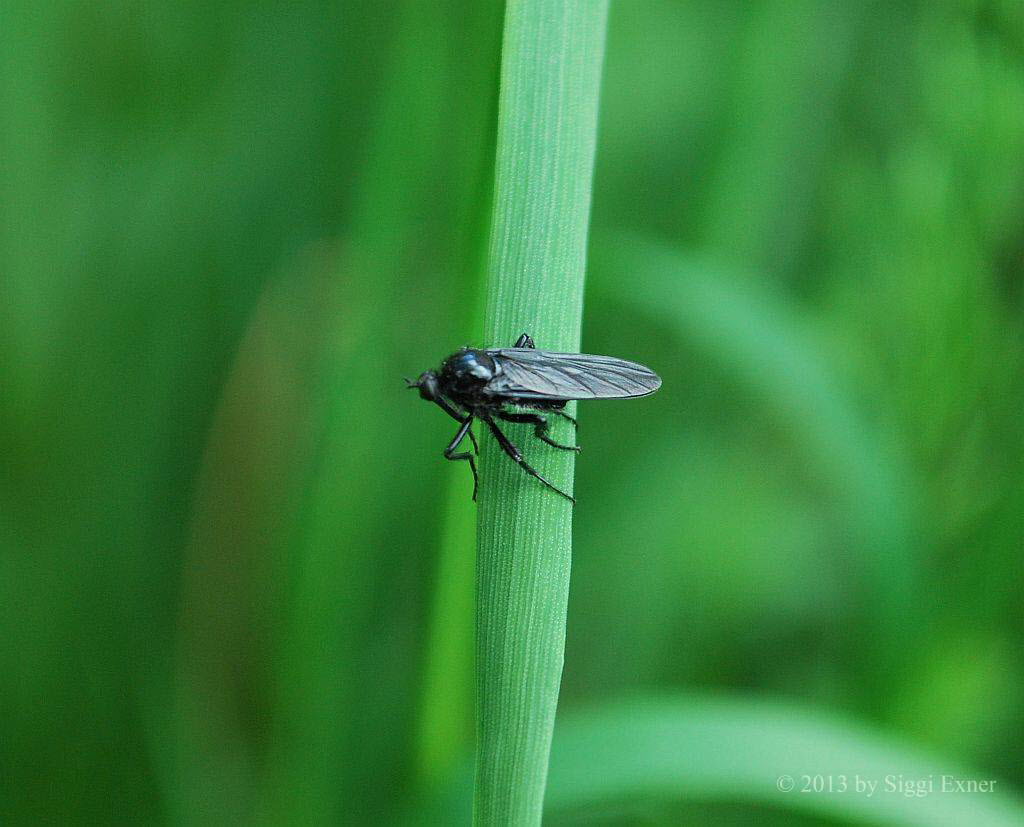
428, 386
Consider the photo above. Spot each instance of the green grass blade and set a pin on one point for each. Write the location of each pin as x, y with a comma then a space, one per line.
547, 121
732, 750
741, 324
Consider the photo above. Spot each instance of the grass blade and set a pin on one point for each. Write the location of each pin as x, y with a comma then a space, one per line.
763, 752
547, 121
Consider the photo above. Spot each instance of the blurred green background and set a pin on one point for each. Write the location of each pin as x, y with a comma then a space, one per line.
237, 574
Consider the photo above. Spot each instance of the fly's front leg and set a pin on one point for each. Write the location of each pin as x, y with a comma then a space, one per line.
524, 341
449, 452
517, 457
540, 428
451, 410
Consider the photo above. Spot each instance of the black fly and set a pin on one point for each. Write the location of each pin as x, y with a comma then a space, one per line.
481, 384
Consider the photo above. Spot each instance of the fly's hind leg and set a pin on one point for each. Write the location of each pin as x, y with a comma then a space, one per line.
564, 415
449, 452
540, 428
517, 457
557, 408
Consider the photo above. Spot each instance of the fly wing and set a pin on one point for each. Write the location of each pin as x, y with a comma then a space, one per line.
541, 374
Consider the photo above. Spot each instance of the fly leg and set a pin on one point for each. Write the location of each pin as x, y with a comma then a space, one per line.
450, 409
540, 429
564, 415
525, 341
517, 457
555, 408
449, 452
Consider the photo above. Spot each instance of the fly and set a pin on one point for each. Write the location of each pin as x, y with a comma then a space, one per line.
483, 384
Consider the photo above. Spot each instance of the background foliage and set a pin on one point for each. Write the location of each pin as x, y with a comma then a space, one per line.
236, 575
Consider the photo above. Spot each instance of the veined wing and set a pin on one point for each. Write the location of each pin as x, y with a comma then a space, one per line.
541, 374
